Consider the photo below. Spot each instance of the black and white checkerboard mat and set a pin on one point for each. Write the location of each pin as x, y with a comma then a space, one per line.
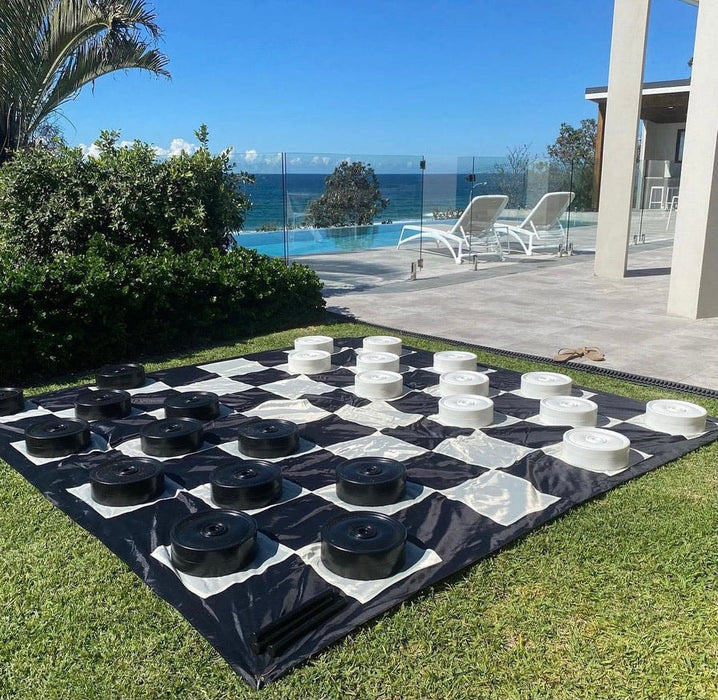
469, 492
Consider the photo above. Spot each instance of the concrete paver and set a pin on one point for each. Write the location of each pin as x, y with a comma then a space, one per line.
532, 305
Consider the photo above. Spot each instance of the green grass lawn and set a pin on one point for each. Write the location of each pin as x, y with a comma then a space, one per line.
616, 599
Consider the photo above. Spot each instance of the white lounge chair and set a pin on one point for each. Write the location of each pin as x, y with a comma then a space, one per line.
476, 224
541, 225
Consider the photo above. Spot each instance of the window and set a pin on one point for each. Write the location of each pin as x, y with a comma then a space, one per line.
680, 138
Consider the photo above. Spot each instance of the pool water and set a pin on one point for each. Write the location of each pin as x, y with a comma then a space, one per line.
318, 240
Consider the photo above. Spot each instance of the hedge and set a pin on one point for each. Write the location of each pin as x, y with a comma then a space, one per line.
112, 305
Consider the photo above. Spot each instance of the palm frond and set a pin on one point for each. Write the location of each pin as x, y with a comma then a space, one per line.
49, 49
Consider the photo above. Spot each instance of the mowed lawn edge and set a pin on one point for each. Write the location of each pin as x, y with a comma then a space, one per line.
614, 599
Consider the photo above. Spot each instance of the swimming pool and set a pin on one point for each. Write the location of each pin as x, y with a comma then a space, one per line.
315, 241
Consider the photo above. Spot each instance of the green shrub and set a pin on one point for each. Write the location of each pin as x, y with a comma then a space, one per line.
55, 202
110, 304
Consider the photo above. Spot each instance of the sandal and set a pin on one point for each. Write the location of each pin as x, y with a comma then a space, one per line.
566, 354
593, 354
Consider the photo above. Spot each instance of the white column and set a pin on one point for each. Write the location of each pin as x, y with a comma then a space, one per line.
623, 107
693, 290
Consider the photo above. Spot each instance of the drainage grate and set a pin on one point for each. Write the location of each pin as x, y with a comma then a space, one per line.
591, 369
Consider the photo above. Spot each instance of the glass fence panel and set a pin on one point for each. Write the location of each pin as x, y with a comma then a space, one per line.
264, 222
349, 202
307, 204
655, 200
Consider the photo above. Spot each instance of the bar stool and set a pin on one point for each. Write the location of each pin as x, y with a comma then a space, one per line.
656, 196
673, 206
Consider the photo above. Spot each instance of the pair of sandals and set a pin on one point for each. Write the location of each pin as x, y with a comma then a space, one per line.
566, 354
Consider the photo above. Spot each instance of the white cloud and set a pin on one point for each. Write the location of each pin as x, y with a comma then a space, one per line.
250, 155
177, 146
91, 151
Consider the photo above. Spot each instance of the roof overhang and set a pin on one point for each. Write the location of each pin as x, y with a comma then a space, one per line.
664, 102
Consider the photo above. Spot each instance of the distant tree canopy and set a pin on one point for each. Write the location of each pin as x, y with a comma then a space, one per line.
572, 156
574, 145
351, 197
511, 175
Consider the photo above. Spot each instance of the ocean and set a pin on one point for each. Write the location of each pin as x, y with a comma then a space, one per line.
404, 192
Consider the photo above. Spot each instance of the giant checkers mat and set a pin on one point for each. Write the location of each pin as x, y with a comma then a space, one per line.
468, 492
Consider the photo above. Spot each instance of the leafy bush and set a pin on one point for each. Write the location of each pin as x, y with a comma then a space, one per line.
109, 304
351, 198
55, 202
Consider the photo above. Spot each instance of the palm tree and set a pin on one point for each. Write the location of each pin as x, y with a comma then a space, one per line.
50, 49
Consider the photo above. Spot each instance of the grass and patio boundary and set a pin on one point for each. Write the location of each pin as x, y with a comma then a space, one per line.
615, 599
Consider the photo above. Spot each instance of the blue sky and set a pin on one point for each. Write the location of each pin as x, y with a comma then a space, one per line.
370, 76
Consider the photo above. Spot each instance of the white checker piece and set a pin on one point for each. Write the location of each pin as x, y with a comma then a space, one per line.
438, 372
634, 457
297, 387
97, 444
232, 448
300, 411
84, 493
377, 414
376, 444
641, 421
285, 368
583, 394
232, 368
414, 493
268, 553
503, 497
30, 411
435, 390
500, 420
217, 385
602, 422
364, 591
290, 491
483, 451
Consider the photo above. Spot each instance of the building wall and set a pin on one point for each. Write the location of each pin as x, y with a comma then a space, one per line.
661, 140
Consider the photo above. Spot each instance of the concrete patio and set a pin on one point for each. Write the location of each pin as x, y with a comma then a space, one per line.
533, 305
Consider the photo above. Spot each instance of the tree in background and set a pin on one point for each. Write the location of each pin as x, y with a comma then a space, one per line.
572, 156
511, 176
351, 198
50, 49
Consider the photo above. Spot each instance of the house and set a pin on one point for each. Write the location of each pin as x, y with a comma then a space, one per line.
664, 107
693, 288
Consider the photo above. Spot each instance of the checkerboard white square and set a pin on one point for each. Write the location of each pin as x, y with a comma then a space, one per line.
376, 444
233, 368
298, 411
268, 553
290, 491
30, 411
414, 493
297, 387
133, 448
377, 414
97, 444
363, 591
217, 385
503, 497
84, 493
304, 448
483, 451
